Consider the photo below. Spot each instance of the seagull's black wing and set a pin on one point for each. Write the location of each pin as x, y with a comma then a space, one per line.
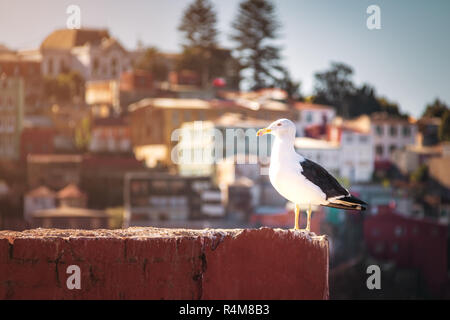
321, 178
331, 187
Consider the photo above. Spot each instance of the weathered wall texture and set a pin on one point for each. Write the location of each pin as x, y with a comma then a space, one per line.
150, 263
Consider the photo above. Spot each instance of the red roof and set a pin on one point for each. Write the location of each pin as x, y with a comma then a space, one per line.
40, 192
91, 161
70, 191
311, 106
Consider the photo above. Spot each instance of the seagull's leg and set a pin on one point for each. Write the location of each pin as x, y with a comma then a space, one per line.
308, 222
297, 211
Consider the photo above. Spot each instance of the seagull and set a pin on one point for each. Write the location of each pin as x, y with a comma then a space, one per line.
302, 181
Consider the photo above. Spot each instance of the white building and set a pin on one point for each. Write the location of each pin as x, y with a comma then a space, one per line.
357, 156
310, 115
38, 199
325, 153
348, 153
391, 133
91, 52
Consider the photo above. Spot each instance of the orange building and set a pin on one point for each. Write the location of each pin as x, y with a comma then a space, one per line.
154, 120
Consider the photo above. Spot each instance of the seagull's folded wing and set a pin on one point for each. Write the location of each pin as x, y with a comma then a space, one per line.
321, 178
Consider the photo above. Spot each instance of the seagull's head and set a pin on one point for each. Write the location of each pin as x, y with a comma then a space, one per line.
282, 128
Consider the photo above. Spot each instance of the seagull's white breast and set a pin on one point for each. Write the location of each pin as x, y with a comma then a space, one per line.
285, 176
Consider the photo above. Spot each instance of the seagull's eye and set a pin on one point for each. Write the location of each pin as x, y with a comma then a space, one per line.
279, 125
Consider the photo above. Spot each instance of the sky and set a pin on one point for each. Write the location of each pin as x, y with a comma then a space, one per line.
407, 60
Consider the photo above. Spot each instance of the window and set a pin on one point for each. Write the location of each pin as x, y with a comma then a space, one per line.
379, 150
175, 118
114, 67
95, 66
309, 117
349, 138
393, 131
395, 247
62, 66
392, 148
379, 130
187, 116
363, 139
50, 66
398, 231
406, 131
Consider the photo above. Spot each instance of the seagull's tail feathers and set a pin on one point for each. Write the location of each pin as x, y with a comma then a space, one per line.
348, 203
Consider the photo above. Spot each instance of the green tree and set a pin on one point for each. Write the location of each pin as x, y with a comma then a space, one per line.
191, 59
335, 87
64, 87
363, 101
444, 128
83, 134
198, 26
254, 30
420, 174
390, 107
152, 60
435, 109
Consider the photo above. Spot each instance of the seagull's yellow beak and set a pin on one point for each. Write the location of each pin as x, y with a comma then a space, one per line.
262, 132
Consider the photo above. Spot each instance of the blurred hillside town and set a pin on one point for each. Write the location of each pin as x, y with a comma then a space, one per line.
86, 141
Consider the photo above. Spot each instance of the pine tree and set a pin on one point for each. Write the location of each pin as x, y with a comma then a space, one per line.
254, 27
435, 109
152, 60
199, 28
199, 25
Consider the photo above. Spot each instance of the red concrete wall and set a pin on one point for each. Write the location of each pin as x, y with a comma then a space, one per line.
150, 263
421, 244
